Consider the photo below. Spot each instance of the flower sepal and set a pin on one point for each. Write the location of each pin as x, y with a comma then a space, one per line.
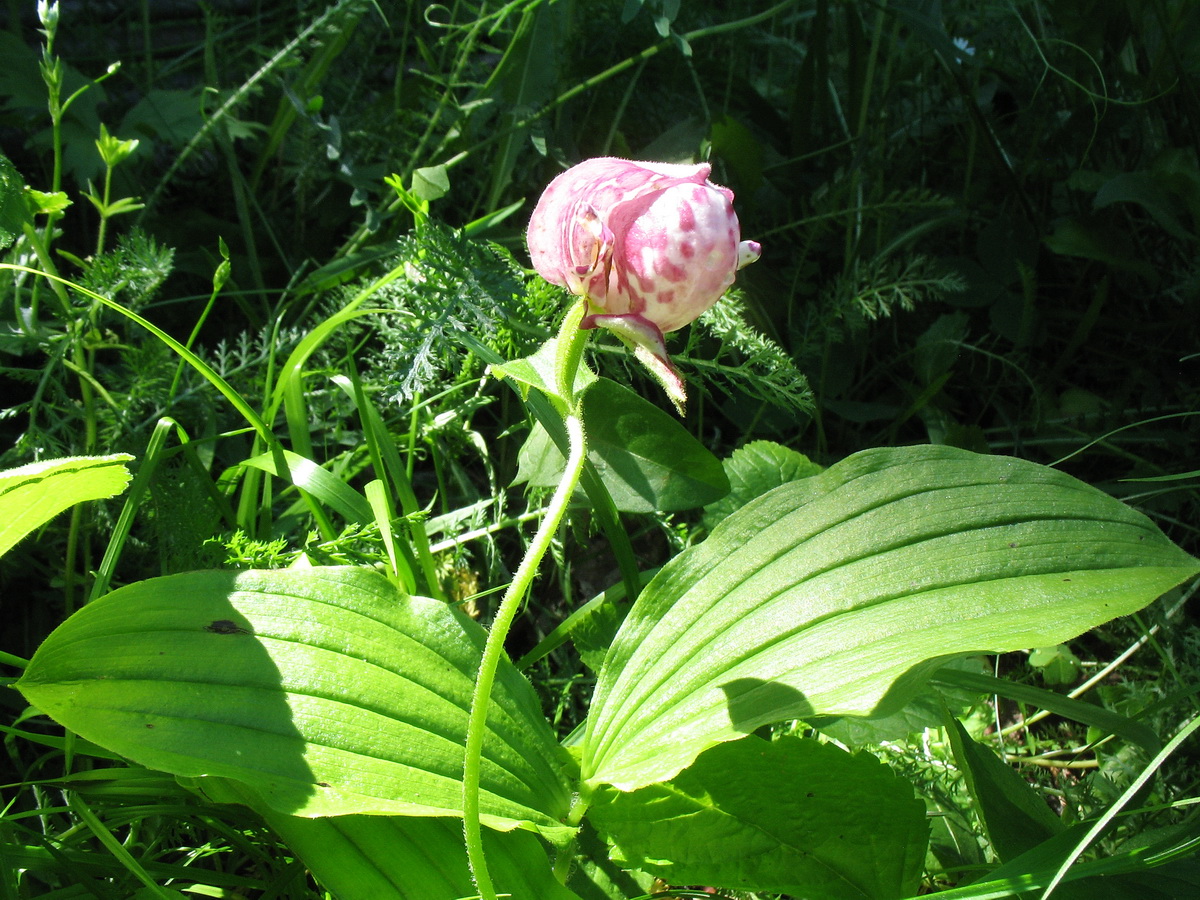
645, 339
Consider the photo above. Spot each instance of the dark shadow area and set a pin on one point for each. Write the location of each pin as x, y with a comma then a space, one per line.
753, 703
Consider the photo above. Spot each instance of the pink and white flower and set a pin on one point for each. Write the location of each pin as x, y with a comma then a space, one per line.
649, 245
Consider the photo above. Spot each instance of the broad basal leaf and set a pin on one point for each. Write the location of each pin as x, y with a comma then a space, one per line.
324, 690
794, 816
838, 594
32, 495
406, 858
403, 857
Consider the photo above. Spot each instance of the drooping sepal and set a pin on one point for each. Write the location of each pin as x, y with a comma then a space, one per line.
646, 341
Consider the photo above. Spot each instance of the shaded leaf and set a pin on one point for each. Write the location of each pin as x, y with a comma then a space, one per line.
1144, 189
794, 816
13, 212
646, 459
923, 711
1058, 664
1015, 817
403, 857
1092, 239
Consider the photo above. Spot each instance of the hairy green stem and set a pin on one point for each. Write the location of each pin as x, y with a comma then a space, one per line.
571, 340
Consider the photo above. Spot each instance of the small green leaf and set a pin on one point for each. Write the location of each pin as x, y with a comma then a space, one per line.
645, 458
124, 205
324, 691
1058, 664
1015, 817
113, 150
839, 594
32, 495
430, 183
539, 371
754, 469
43, 203
13, 212
793, 816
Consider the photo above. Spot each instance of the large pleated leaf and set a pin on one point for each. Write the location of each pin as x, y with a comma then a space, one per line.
401, 857
838, 594
406, 858
324, 690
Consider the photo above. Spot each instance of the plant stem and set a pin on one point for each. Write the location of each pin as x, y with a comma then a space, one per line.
565, 857
571, 340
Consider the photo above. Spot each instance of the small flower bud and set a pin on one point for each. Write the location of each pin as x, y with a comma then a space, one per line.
649, 245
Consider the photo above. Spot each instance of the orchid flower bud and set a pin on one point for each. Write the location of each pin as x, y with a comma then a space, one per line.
649, 245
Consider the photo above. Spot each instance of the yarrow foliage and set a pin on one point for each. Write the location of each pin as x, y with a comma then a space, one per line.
650, 246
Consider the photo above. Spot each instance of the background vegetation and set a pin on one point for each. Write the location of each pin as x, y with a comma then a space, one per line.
979, 222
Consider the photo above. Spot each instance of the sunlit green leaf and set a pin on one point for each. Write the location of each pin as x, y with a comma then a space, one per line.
327, 488
538, 370
754, 469
430, 182
323, 690
840, 593
32, 495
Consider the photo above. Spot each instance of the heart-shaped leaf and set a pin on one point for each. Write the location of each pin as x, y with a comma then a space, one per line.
840, 593
324, 690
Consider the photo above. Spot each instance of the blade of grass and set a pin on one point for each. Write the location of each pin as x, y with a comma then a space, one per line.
92, 821
386, 461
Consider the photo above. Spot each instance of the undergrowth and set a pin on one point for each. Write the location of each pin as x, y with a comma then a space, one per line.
979, 224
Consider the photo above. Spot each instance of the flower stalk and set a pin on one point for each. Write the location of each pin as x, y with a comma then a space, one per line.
571, 339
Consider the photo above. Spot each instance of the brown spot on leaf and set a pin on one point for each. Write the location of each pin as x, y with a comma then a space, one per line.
225, 626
